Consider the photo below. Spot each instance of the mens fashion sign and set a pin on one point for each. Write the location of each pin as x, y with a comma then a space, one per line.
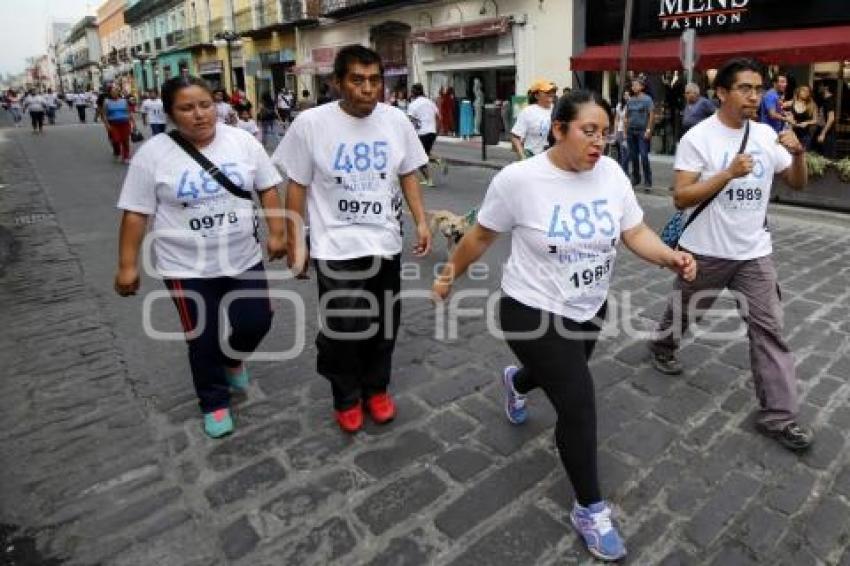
669, 18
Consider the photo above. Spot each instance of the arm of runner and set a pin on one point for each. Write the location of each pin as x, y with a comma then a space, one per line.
650, 124
272, 207
830, 120
645, 243
296, 250
516, 141
690, 191
132, 232
471, 247
797, 175
413, 195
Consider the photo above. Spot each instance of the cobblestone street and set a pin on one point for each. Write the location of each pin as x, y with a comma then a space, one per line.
103, 460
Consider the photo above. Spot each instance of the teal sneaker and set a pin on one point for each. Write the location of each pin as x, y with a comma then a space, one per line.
237, 378
218, 423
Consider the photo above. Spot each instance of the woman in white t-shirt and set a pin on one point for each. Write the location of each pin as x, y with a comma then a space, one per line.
36, 105
205, 239
223, 110
566, 210
531, 130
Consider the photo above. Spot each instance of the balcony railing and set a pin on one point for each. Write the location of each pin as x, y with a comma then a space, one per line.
337, 8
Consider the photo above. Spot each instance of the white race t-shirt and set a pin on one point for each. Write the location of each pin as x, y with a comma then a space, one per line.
35, 103
424, 112
565, 227
152, 107
249, 126
351, 167
50, 99
532, 126
200, 229
732, 226
223, 110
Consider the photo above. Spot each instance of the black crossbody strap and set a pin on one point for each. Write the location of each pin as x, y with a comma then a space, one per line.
702, 206
209, 166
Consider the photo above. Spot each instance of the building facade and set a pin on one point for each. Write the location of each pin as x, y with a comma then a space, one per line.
503, 45
57, 32
160, 41
115, 44
84, 52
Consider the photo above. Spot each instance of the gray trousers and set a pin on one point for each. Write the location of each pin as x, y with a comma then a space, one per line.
771, 360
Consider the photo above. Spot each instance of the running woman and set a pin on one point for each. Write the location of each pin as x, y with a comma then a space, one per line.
206, 245
566, 209
350, 161
531, 130
116, 115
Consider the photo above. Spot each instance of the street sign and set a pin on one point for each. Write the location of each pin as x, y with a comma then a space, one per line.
688, 54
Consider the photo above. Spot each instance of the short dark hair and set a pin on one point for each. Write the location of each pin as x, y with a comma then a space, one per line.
730, 69
780, 74
172, 86
566, 108
355, 53
417, 89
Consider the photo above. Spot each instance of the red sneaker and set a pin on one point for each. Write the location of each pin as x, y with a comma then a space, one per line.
381, 407
350, 420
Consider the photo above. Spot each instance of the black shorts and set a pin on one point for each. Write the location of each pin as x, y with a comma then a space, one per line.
428, 142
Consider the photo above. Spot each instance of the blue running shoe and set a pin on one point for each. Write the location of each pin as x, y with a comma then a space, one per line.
514, 402
237, 378
218, 423
594, 525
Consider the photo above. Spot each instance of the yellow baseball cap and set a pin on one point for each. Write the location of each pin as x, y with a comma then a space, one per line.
542, 85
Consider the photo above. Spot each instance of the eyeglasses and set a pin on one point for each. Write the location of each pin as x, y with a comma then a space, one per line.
595, 134
748, 89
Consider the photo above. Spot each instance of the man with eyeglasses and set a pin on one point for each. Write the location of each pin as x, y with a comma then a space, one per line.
731, 241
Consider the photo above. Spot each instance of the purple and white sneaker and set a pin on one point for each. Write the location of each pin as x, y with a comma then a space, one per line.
514, 402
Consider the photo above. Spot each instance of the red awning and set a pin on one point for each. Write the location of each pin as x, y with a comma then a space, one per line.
479, 28
785, 47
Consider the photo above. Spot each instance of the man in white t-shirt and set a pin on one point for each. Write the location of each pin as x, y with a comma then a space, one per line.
153, 113
424, 115
530, 134
350, 162
731, 241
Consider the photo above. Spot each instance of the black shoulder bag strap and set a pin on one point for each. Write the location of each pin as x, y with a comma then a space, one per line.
209, 166
702, 206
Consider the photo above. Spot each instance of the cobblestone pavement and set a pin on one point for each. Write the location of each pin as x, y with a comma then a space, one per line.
102, 459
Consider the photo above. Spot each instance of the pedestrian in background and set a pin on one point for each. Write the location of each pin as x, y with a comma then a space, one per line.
52, 105
350, 162
81, 103
424, 115
555, 285
36, 105
153, 112
620, 132
266, 117
119, 122
772, 107
697, 107
732, 159
804, 112
223, 110
246, 123
206, 244
530, 133
826, 135
15, 108
640, 119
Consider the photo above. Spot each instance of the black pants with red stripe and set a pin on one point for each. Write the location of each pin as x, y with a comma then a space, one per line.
356, 343
250, 318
